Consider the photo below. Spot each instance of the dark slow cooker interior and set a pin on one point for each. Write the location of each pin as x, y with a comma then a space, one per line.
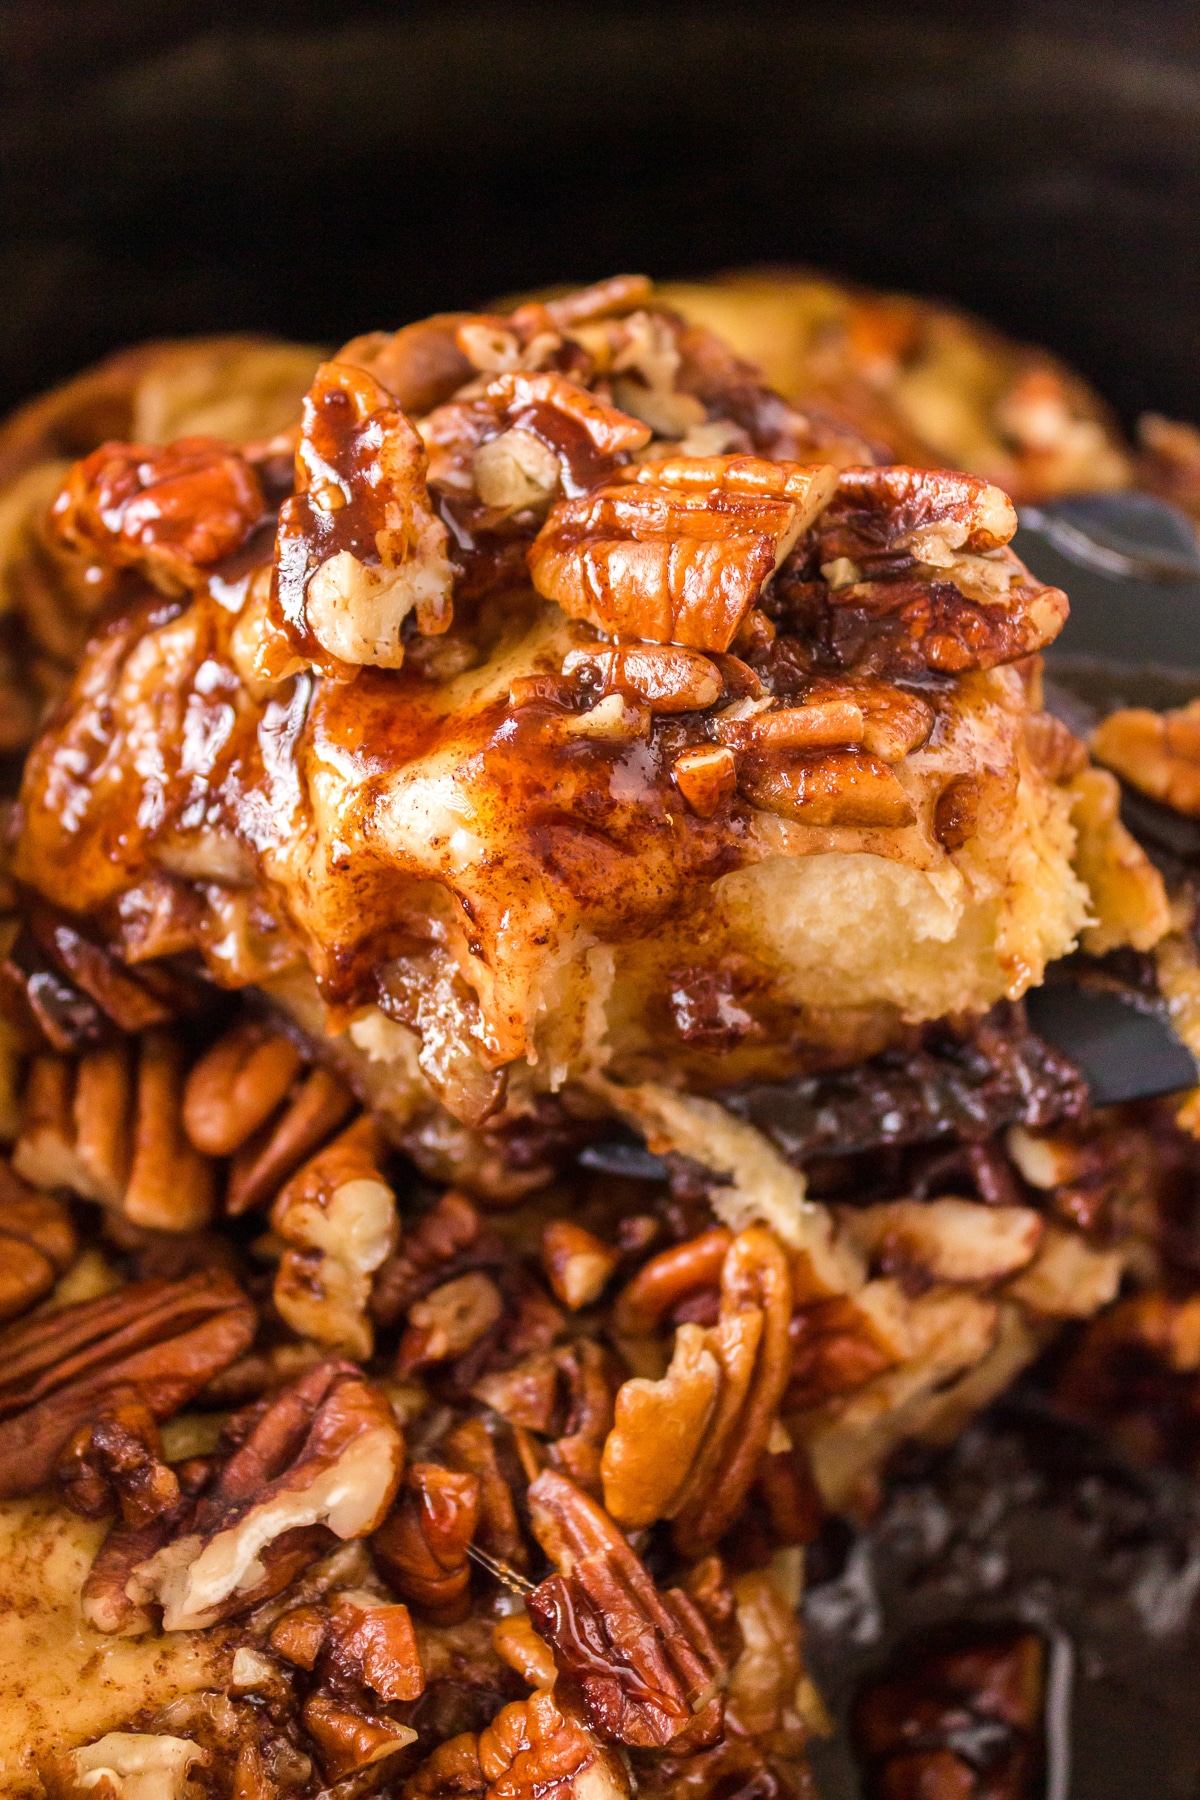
185, 166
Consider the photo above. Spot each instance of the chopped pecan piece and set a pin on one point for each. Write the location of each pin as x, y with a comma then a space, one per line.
903, 626
707, 779
168, 512
26, 1276
525, 435
1169, 460
643, 1661
761, 1697
668, 678
946, 1240
449, 1321
1128, 896
681, 561
111, 1599
1157, 753
36, 1219
537, 1747
324, 1457
116, 1460
358, 546
165, 1339
422, 1546
338, 1217
517, 1643
841, 787
349, 1739
840, 1342
472, 1448
957, 1713
451, 1772
126, 1765
577, 1264
299, 1637
37, 1244
450, 1227
372, 1642
607, 299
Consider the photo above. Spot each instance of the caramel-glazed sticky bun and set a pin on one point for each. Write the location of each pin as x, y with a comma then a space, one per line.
511, 729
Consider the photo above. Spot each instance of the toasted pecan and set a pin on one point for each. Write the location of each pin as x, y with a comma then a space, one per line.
679, 562
644, 1661
358, 546
323, 1458
166, 1339
169, 512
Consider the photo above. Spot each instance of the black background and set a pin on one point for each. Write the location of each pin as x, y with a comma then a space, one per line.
176, 166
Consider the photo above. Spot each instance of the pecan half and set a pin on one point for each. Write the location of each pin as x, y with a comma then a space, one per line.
338, 1217
324, 1457
932, 514
168, 512
667, 1279
422, 1546
165, 1339
681, 561
358, 546
657, 1432
1157, 753
721, 1425
540, 1747
270, 1156
109, 1126
236, 1086
642, 1660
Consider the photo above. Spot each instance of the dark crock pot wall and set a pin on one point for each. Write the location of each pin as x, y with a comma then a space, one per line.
191, 165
